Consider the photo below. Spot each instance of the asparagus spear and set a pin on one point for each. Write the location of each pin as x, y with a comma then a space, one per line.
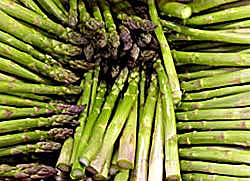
8, 78
197, 34
214, 125
216, 154
19, 30
234, 25
157, 148
63, 162
28, 171
30, 123
33, 6
175, 9
145, 124
201, 5
39, 147
33, 18
114, 168
95, 140
60, 6
73, 13
119, 119
31, 96
210, 177
172, 168
127, 142
166, 54
234, 13
217, 168
22, 87
122, 176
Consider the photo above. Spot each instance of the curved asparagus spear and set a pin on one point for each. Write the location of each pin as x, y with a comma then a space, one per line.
33, 6
31, 17
210, 177
216, 154
29, 171
17, 29
39, 147
73, 13
145, 124
166, 54
217, 168
116, 124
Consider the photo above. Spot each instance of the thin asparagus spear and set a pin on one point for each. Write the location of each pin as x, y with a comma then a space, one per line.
166, 54
216, 92
73, 13
239, 138
114, 169
214, 125
210, 177
54, 10
230, 14
175, 9
63, 161
127, 142
234, 25
95, 140
156, 157
172, 168
17, 29
29, 171
33, 6
119, 119
201, 5
122, 176
217, 168
145, 124
37, 135
94, 87
8, 78
31, 96
39, 147
142, 91
38, 88
30, 123
60, 6
216, 154
230, 78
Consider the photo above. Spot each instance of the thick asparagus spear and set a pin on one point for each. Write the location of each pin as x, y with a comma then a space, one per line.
210, 177
166, 54
215, 125
116, 124
73, 13
33, 6
155, 170
216, 154
172, 168
95, 140
127, 142
39, 147
31, 123
31, 17
17, 29
63, 162
217, 168
29, 171
122, 176
145, 124
221, 16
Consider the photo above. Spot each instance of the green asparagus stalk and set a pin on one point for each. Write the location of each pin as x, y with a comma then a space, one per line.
229, 5
175, 9
63, 162
142, 91
230, 14
217, 168
230, 78
234, 25
210, 177
39, 147
166, 54
145, 124
8, 78
30, 123
197, 34
216, 92
122, 176
61, 7
114, 168
29, 171
38, 88
19, 30
95, 140
172, 168
239, 138
201, 5
94, 87
35, 19
73, 13
216, 154
214, 125
37, 135
119, 119
54, 10
33, 6
127, 142
31, 96
157, 148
